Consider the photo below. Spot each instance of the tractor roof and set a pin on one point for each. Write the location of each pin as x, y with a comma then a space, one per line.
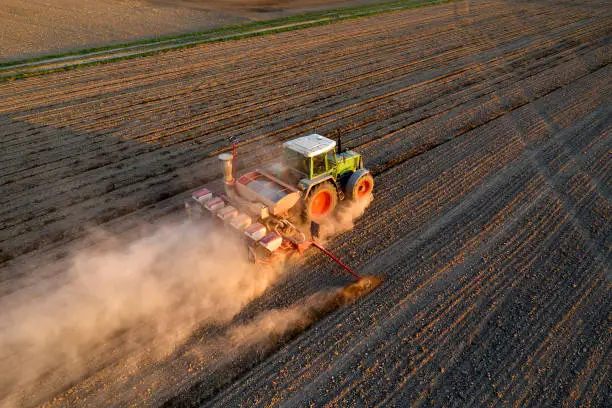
311, 145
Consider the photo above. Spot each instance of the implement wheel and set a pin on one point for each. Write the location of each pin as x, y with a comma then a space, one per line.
321, 202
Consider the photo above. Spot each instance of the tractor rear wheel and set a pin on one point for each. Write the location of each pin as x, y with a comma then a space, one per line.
321, 202
359, 185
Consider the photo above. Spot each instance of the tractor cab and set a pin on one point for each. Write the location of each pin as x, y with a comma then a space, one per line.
308, 155
315, 156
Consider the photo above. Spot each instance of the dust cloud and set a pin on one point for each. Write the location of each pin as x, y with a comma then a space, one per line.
123, 307
344, 218
151, 293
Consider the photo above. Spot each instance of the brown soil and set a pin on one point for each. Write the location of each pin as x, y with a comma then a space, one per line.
37, 27
262, 6
486, 125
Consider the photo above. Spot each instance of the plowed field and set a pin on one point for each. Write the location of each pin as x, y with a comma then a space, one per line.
486, 125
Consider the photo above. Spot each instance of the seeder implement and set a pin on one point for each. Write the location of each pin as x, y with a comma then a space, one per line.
269, 208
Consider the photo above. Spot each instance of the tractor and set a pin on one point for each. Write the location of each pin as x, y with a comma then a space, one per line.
324, 174
270, 207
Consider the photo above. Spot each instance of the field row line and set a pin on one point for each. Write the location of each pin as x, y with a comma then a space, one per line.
30, 192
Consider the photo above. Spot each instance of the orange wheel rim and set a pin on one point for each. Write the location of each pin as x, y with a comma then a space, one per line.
321, 204
364, 188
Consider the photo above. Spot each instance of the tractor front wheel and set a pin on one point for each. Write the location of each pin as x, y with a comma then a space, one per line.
359, 185
321, 202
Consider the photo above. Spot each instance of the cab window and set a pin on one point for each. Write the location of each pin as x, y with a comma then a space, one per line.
296, 161
318, 165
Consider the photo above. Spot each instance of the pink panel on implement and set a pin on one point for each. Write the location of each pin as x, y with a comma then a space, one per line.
271, 242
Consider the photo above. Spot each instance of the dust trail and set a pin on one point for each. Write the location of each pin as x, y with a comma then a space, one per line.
251, 342
150, 294
269, 326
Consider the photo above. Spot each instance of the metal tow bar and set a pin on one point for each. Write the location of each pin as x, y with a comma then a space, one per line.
338, 261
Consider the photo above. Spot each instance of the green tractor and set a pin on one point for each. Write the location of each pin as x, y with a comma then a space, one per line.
324, 174
263, 204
